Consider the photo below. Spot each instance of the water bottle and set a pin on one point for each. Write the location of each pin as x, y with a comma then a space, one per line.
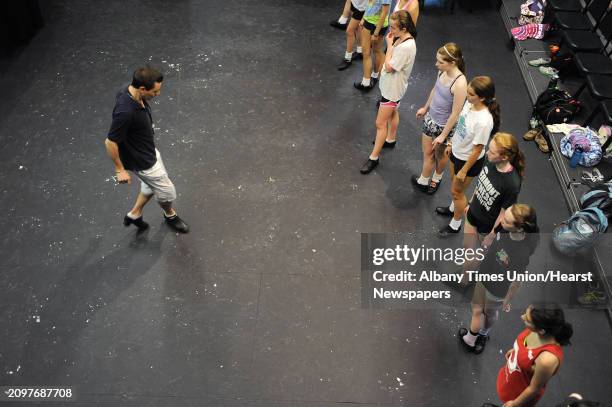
576, 157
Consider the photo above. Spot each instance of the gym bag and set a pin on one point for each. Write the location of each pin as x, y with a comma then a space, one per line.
555, 106
600, 198
580, 231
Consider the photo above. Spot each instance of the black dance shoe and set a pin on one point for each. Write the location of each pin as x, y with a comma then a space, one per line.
138, 222
177, 224
368, 166
447, 231
415, 182
444, 211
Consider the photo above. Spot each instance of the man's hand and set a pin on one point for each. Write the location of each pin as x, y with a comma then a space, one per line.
123, 177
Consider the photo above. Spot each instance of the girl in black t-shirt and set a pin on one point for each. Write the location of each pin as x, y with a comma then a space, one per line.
497, 188
510, 249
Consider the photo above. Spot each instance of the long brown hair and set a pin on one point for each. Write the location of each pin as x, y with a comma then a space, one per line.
484, 88
405, 22
508, 144
451, 53
525, 217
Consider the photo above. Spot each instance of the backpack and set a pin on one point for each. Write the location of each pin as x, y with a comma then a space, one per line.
582, 146
600, 198
580, 231
564, 64
555, 106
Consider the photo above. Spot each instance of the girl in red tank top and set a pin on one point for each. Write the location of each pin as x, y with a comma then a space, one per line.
535, 357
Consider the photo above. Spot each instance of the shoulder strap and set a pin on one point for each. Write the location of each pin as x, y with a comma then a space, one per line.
454, 80
450, 88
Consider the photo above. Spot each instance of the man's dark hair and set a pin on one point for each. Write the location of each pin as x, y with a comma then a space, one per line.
146, 77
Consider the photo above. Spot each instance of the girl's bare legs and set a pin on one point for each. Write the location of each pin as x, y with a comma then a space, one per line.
366, 43
393, 125
385, 114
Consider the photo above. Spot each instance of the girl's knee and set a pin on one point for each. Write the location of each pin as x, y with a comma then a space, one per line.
456, 192
477, 310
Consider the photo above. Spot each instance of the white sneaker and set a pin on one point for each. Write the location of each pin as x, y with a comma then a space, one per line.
548, 71
539, 62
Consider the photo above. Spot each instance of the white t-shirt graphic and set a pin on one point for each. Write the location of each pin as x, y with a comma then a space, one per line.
473, 128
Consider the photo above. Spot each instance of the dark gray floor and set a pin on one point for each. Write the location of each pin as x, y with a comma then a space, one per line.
260, 304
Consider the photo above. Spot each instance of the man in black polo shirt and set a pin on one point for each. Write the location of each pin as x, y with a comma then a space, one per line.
131, 146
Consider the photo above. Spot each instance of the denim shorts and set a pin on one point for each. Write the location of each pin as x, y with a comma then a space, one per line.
155, 181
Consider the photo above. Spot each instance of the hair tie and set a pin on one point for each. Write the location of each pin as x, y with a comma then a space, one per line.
448, 53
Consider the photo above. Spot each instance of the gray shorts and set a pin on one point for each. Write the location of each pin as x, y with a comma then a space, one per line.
155, 181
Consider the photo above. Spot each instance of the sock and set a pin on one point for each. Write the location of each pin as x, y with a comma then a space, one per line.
484, 331
343, 20
365, 81
373, 159
437, 177
451, 207
133, 217
455, 224
169, 216
390, 141
348, 56
422, 180
375, 75
470, 338
359, 50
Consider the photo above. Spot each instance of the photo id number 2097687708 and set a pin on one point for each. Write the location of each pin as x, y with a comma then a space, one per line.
36, 393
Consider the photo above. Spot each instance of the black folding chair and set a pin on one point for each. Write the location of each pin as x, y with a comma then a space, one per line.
604, 108
589, 41
600, 87
590, 63
567, 5
568, 20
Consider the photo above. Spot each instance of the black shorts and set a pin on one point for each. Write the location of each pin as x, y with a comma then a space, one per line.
481, 227
357, 15
473, 172
371, 28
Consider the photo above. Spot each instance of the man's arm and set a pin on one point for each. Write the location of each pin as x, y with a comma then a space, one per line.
112, 149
